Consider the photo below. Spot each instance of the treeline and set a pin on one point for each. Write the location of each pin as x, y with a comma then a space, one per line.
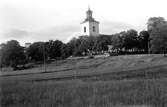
123, 42
154, 40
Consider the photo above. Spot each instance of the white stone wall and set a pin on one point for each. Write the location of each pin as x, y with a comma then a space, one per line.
89, 28
96, 25
86, 24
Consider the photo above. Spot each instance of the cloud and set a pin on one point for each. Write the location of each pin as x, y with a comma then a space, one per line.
62, 32
15, 33
109, 27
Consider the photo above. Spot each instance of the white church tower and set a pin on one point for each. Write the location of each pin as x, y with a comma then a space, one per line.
90, 26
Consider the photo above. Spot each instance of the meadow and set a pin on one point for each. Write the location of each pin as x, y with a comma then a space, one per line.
78, 93
121, 81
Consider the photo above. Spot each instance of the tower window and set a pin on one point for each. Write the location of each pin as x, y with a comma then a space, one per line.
84, 29
93, 28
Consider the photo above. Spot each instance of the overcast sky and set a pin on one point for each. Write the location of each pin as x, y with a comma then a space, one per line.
42, 20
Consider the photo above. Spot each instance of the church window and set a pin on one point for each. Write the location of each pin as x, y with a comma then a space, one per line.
93, 28
84, 29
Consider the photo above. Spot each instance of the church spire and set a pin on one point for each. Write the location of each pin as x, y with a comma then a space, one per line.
89, 16
89, 13
88, 7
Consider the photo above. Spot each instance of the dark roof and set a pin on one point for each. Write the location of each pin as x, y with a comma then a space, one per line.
89, 20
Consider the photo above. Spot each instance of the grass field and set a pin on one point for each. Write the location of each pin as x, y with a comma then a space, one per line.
121, 81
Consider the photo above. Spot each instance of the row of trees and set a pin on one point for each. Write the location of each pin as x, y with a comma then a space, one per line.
12, 54
154, 41
120, 42
48, 50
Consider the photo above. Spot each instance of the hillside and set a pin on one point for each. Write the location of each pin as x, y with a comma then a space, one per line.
119, 81
118, 67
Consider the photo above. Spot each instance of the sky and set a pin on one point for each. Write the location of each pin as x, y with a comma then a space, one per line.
43, 20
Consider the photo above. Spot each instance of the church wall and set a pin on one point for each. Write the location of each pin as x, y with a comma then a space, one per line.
96, 25
86, 24
89, 28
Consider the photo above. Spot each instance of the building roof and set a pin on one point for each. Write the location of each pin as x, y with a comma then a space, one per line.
90, 20
89, 17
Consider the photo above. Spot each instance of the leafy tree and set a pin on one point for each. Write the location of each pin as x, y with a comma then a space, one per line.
157, 28
159, 39
143, 40
36, 52
65, 51
54, 49
130, 39
72, 45
83, 44
1, 47
80, 45
102, 42
77, 49
12, 54
154, 22
117, 42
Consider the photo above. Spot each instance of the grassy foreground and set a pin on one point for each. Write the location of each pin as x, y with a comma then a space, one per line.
124, 93
129, 81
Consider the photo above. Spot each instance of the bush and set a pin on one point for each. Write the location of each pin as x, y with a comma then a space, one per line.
90, 56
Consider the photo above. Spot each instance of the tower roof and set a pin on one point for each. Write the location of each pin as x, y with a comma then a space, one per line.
89, 11
89, 16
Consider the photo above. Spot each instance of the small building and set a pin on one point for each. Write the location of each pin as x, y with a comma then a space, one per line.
110, 48
90, 26
27, 45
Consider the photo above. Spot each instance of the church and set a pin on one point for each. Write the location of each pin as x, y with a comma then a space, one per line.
89, 26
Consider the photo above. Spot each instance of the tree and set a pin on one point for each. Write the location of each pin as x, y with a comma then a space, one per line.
143, 40
102, 42
1, 47
130, 39
154, 22
80, 45
83, 44
117, 42
54, 49
65, 51
35, 51
71, 45
91, 43
159, 39
157, 28
12, 54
